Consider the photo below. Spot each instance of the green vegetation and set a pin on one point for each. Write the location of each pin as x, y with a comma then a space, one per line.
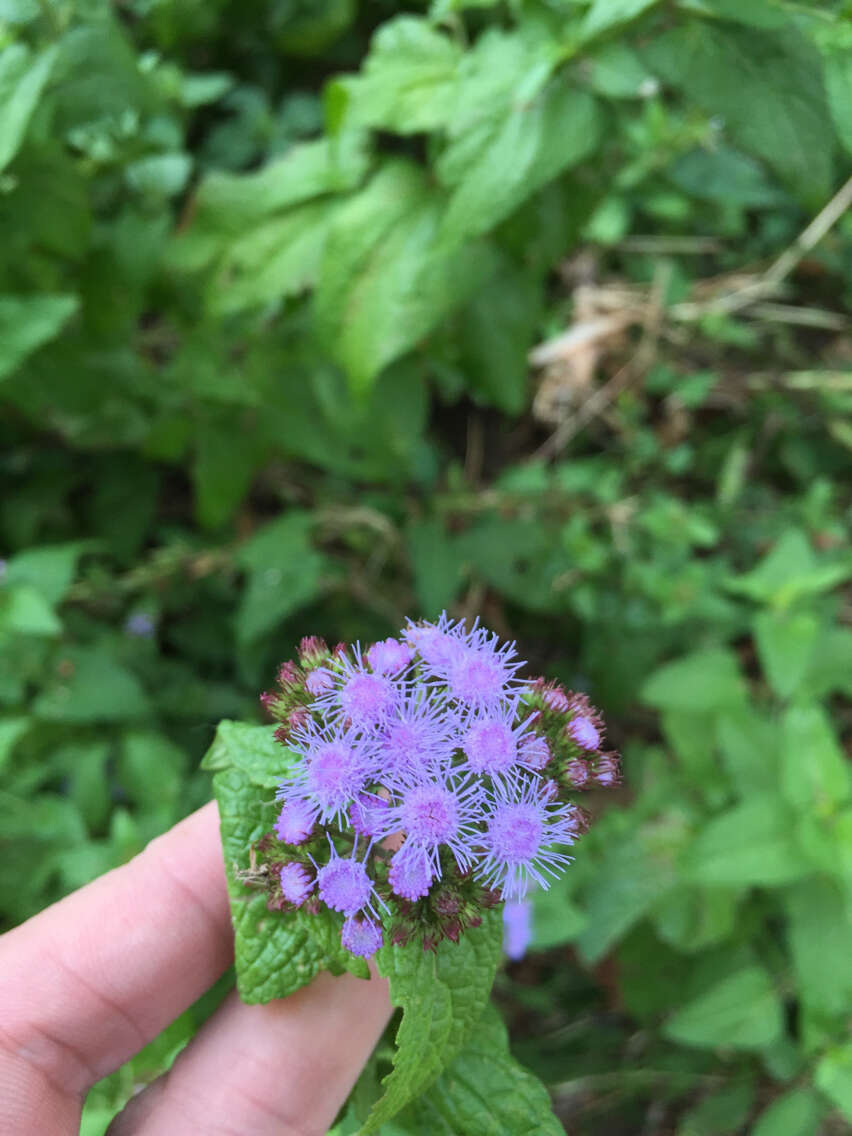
270, 277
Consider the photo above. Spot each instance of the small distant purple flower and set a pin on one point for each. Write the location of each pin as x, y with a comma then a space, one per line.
296, 883
295, 822
319, 681
361, 936
517, 928
389, 656
584, 732
344, 884
521, 832
140, 624
410, 874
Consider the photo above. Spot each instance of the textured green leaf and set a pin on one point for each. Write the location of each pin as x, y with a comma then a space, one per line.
720, 1112
23, 75
386, 279
11, 730
252, 750
408, 81
443, 995
227, 456
484, 1092
767, 86
703, 681
797, 1113
275, 952
742, 1011
835, 41
284, 574
27, 322
500, 162
436, 563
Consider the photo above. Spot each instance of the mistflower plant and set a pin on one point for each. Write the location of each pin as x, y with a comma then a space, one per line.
428, 782
399, 808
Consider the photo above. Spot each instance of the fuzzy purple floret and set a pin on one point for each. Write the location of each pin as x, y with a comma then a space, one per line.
517, 928
296, 883
585, 733
361, 936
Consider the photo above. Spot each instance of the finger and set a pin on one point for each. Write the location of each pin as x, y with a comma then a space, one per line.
91, 980
283, 1069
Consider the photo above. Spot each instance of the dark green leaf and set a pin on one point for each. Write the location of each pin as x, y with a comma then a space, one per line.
284, 574
23, 75
27, 322
443, 995
742, 1011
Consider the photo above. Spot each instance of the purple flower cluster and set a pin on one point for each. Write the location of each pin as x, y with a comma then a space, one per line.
430, 782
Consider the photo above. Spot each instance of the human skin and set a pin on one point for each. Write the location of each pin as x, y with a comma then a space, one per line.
88, 982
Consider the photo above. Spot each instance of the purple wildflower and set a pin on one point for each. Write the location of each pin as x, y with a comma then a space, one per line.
296, 883
336, 765
389, 656
361, 936
138, 624
319, 681
344, 884
440, 810
367, 814
519, 840
517, 928
295, 821
535, 752
584, 732
421, 733
410, 874
492, 743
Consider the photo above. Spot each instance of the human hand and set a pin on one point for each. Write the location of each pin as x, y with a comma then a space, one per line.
87, 983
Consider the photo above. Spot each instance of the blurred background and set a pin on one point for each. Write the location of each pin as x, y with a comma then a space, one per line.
316, 314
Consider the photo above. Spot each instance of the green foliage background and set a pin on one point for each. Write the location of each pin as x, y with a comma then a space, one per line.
269, 277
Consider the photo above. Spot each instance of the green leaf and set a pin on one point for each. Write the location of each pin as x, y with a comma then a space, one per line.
12, 729
436, 563
92, 686
750, 844
836, 44
278, 258
500, 162
628, 881
497, 331
49, 568
151, 769
820, 935
226, 458
814, 770
407, 84
834, 1077
227, 203
275, 952
159, 175
25, 611
606, 14
750, 746
789, 572
385, 278
741, 1012
701, 682
785, 642
252, 750
767, 87
797, 1113
443, 995
27, 322
484, 1092
720, 1112
23, 75
284, 574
